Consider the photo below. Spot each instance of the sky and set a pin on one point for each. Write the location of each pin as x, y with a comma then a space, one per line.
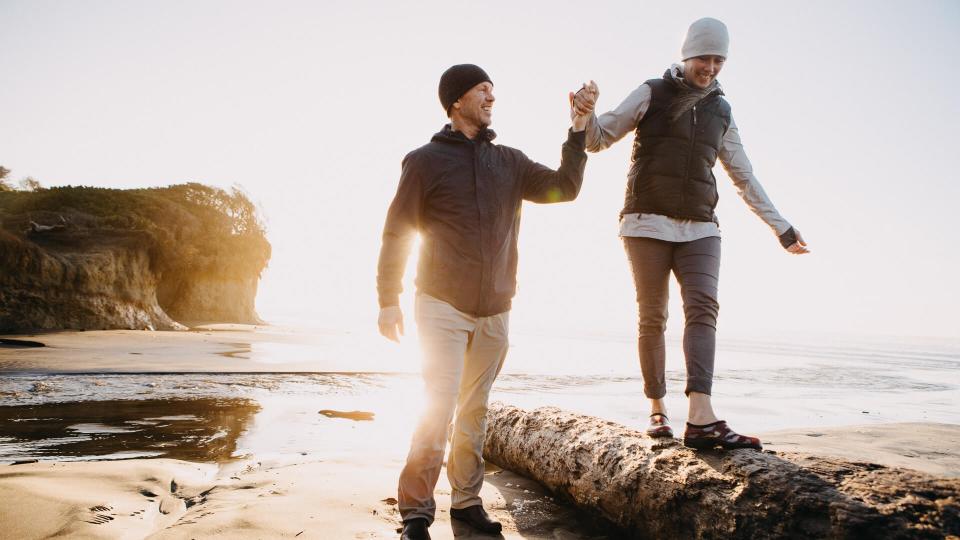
847, 111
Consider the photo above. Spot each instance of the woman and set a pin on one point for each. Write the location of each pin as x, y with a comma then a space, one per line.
682, 125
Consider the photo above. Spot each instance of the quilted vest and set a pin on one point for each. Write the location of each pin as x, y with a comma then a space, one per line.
671, 168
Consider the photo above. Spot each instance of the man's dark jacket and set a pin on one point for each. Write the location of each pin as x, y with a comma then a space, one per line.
464, 197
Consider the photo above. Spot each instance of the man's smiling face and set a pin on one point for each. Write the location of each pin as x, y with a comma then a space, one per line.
475, 107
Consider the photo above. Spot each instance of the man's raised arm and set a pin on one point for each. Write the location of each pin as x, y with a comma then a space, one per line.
544, 185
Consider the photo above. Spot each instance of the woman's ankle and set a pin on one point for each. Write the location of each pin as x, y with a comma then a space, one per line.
657, 406
701, 410
702, 420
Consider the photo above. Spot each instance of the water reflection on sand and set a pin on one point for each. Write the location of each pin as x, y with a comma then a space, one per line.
194, 429
206, 417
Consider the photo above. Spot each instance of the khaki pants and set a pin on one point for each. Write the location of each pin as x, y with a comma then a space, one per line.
462, 356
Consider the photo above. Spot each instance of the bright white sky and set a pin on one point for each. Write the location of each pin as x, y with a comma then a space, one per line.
847, 110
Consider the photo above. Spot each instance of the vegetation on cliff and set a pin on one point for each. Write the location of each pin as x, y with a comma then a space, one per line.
191, 228
86, 257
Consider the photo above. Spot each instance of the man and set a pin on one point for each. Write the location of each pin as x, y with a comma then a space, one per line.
463, 194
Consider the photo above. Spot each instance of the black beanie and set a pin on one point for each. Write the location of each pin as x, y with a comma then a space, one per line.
457, 80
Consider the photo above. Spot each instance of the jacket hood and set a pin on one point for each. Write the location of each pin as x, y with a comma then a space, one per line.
448, 135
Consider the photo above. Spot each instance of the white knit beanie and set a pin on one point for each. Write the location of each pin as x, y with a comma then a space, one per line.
706, 36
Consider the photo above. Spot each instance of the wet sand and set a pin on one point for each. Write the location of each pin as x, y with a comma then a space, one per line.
342, 485
336, 498
216, 477
163, 498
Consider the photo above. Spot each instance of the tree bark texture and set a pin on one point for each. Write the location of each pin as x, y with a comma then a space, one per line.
662, 489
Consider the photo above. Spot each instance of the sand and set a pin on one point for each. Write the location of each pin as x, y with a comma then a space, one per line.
927, 447
328, 496
346, 494
163, 498
346, 497
121, 499
220, 348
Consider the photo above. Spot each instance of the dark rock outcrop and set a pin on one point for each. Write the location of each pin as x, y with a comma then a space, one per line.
664, 490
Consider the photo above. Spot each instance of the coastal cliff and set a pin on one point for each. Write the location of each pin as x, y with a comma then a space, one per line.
93, 258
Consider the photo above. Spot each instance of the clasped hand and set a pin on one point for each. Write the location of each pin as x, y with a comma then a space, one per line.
582, 103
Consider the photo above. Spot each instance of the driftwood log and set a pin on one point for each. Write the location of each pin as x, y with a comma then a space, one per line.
663, 490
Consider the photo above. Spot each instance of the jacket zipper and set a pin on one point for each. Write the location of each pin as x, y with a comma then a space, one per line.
693, 140
476, 191
686, 179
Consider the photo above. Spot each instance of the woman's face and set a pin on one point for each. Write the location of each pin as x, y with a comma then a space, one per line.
701, 71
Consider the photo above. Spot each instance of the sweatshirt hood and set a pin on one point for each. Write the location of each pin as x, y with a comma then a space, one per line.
448, 135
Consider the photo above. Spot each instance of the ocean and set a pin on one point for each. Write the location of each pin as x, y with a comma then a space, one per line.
760, 385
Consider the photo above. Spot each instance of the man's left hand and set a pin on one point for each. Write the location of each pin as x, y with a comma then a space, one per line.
582, 103
585, 99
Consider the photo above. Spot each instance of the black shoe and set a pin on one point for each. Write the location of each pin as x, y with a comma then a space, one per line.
415, 529
477, 518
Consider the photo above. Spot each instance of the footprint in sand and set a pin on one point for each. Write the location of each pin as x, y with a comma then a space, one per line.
100, 518
169, 504
198, 499
391, 512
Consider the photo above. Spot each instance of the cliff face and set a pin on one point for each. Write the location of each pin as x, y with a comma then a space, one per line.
108, 288
210, 298
133, 259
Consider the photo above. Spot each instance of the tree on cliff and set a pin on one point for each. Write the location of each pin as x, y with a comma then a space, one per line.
27, 184
30, 184
4, 173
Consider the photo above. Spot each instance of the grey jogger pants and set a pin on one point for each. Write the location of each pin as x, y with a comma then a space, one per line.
462, 356
697, 267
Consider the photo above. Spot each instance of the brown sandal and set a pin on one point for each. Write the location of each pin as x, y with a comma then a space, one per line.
717, 434
659, 427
